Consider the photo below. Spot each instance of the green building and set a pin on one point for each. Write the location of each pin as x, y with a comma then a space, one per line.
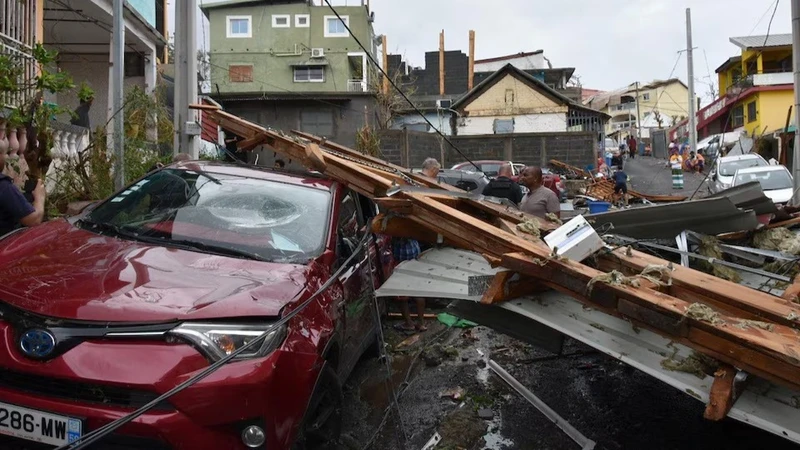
292, 64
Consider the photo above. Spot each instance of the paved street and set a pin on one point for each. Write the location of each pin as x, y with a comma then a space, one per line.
649, 175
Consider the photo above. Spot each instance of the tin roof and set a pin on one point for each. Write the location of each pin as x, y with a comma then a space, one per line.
773, 40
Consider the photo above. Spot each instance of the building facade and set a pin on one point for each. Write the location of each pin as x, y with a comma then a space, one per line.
756, 89
513, 101
642, 106
293, 65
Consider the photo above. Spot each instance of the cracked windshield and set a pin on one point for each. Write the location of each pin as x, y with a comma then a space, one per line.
399, 225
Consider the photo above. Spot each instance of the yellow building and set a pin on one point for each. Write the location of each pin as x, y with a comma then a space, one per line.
756, 88
644, 106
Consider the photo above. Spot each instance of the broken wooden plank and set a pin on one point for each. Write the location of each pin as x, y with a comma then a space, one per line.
203, 107
722, 396
713, 290
395, 205
314, 157
497, 287
786, 223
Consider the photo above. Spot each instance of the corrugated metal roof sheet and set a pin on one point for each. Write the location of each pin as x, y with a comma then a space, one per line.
774, 40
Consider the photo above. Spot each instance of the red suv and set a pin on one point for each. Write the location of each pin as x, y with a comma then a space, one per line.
104, 312
491, 167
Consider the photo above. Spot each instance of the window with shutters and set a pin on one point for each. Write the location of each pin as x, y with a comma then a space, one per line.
240, 73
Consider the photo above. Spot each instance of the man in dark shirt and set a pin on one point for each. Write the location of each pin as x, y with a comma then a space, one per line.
621, 185
503, 186
15, 211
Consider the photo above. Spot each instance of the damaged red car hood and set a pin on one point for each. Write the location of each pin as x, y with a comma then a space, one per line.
59, 270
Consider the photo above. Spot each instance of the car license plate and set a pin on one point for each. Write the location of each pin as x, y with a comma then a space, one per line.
38, 426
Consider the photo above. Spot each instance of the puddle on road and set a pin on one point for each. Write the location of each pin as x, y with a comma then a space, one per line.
494, 439
373, 390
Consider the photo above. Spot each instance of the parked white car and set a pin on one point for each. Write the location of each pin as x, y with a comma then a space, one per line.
725, 168
776, 181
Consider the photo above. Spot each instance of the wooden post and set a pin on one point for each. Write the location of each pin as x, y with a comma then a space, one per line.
471, 81
386, 66
441, 63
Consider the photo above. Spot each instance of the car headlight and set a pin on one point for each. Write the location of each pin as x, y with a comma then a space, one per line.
217, 341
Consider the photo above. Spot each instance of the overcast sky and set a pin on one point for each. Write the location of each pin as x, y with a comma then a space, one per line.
610, 43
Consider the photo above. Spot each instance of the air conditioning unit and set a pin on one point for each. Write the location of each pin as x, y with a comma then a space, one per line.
444, 103
317, 52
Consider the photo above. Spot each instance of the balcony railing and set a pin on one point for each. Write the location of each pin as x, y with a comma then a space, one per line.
17, 25
356, 86
68, 141
624, 106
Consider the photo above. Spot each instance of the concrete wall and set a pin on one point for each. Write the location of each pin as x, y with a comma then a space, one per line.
410, 148
772, 107
287, 115
93, 69
272, 51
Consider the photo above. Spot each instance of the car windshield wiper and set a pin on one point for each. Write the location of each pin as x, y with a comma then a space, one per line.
210, 248
109, 228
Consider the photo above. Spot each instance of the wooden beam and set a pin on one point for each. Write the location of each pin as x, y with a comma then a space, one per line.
395, 205
715, 291
471, 80
722, 395
441, 63
314, 157
760, 352
251, 143
204, 107
497, 287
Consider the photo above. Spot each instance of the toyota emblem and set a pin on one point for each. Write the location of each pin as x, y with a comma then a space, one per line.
37, 344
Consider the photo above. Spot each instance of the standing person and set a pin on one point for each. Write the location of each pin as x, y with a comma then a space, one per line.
539, 201
405, 249
15, 211
676, 164
621, 185
431, 168
503, 186
632, 146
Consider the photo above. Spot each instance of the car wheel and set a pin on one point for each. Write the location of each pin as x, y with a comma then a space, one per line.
322, 425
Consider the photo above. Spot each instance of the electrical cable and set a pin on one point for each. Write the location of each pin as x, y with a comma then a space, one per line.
382, 354
730, 113
107, 429
394, 85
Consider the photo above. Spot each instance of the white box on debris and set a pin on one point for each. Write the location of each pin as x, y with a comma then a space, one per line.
576, 239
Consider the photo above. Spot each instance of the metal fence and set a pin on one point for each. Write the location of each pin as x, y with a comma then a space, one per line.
17, 38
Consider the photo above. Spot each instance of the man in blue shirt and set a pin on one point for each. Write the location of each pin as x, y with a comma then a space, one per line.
15, 211
621, 185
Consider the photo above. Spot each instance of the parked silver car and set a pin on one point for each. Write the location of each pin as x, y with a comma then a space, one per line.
724, 169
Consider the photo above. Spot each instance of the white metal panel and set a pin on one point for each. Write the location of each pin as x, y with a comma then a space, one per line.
525, 123
445, 273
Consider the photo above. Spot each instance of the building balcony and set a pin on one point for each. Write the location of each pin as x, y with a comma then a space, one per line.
356, 86
772, 79
623, 107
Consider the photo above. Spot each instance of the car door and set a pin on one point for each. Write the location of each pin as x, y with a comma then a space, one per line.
356, 305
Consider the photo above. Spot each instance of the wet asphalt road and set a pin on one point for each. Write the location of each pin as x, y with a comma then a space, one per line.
608, 401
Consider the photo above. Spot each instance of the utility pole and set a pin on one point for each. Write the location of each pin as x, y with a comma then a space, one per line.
692, 104
118, 72
638, 117
796, 58
186, 127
